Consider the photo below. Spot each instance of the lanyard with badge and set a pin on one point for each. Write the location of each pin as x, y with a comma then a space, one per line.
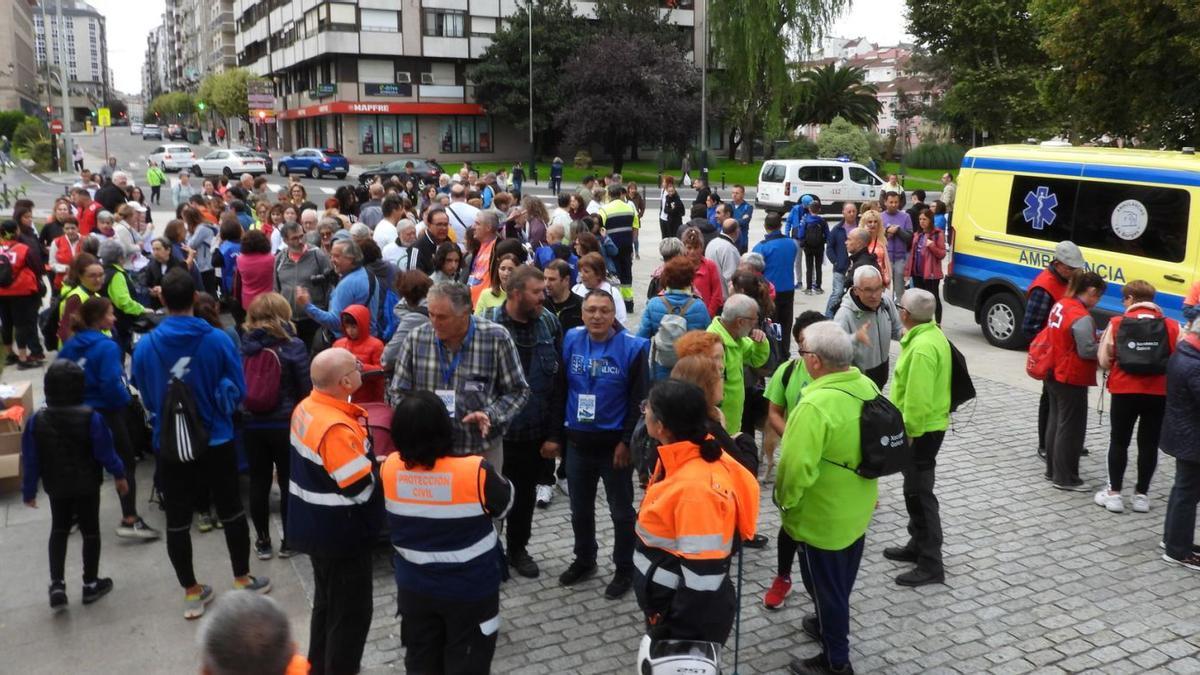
448, 367
586, 410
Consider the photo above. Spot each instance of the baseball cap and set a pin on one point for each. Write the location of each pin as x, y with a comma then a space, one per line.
806, 200
137, 207
1067, 253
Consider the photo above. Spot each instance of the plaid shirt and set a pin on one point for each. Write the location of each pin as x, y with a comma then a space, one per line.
488, 378
1037, 310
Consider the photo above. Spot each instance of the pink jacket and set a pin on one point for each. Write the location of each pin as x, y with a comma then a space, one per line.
257, 274
931, 256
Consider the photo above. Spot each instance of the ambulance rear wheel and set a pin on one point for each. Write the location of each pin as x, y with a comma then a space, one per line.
1001, 321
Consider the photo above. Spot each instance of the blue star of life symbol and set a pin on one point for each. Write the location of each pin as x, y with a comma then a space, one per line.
1039, 207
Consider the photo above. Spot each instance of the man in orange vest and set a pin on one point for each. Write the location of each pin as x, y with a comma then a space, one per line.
1048, 287
334, 511
249, 633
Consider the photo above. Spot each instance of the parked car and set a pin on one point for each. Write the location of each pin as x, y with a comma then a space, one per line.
782, 183
173, 157
152, 131
176, 132
229, 162
135, 128
314, 163
260, 151
426, 171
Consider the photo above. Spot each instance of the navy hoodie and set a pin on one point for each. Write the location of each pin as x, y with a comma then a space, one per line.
210, 364
103, 366
296, 382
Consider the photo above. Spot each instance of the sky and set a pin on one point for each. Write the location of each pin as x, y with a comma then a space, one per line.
128, 24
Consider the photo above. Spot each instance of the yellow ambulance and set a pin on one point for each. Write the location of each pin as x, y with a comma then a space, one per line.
1130, 212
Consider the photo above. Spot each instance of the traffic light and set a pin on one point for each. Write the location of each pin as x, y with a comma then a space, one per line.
262, 114
201, 106
93, 113
49, 110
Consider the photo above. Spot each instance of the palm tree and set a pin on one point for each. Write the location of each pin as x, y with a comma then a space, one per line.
827, 92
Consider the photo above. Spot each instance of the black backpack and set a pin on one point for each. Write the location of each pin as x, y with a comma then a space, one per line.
182, 436
885, 448
962, 389
1143, 345
7, 273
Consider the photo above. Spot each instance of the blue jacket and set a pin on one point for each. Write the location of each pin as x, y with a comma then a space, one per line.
230, 250
697, 318
353, 289
613, 371
214, 372
800, 228
835, 248
1181, 425
743, 213
103, 366
780, 254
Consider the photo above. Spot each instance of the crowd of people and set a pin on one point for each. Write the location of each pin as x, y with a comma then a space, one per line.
429, 364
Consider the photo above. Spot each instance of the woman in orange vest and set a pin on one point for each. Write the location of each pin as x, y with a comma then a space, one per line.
448, 561
1074, 347
699, 502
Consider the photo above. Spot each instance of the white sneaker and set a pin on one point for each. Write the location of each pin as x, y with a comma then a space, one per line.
562, 487
545, 493
1141, 503
1110, 501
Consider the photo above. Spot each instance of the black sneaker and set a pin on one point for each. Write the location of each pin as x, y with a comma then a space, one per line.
1072, 487
900, 554
817, 664
757, 541
28, 365
58, 596
11, 359
524, 564
811, 626
619, 586
96, 590
919, 577
285, 551
576, 572
263, 550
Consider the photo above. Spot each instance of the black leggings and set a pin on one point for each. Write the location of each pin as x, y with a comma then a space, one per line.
19, 316
217, 471
1127, 409
268, 451
155, 193
931, 285
786, 547
63, 512
118, 425
813, 259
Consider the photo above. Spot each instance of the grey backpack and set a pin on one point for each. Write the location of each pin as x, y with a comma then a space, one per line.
670, 327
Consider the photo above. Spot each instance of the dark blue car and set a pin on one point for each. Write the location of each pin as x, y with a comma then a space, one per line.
314, 163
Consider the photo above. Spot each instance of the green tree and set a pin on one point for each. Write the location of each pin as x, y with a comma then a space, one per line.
9, 120
843, 138
171, 105
501, 77
224, 94
1128, 68
988, 56
830, 91
752, 43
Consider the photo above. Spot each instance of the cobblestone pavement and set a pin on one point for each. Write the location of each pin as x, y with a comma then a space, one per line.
1037, 579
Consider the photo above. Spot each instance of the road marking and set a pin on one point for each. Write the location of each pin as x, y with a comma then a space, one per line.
328, 190
273, 187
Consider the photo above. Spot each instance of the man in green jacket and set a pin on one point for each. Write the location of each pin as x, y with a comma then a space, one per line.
744, 344
155, 178
826, 506
921, 390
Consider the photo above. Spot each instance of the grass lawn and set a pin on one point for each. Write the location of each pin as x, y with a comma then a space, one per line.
914, 178
644, 173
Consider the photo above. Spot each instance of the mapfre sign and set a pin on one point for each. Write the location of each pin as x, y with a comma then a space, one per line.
358, 108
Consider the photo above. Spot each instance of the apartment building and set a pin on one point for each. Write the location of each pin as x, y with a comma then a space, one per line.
18, 65
83, 48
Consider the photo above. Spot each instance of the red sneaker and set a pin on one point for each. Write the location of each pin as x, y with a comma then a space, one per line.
778, 591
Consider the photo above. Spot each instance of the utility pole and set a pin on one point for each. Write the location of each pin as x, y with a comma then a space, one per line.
61, 43
704, 91
532, 147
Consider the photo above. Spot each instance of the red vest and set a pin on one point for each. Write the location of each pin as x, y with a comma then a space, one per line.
64, 253
1050, 282
1121, 382
1069, 367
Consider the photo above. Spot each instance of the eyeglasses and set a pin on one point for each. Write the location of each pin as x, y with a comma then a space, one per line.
802, 352
358, 368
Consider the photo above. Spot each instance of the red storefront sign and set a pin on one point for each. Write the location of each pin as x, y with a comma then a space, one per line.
358, 108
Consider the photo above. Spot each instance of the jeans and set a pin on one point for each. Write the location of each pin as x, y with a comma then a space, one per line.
586, 466
215, 471
1065, 428
341, 614
924, 519
829, 577
64, 511
898, 276
1147, 410
837, 288
1179, 530
269, 451
118, 426
447, 636
523, 464
813, 259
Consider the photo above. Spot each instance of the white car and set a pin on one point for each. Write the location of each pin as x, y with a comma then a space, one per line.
230, 163
782, 183
151, 131
135, 128
173, 157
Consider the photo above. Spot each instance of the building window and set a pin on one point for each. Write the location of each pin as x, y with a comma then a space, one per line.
445, 23
387, 134
465, 134
343, 17
379, 21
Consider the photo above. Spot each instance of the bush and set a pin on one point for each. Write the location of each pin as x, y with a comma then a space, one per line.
935, 156
800, 148
28, 133
42, 154
843, 138
9, 120
583, 159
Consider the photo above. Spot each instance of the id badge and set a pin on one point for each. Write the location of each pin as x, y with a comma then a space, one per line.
448, 399
587, 408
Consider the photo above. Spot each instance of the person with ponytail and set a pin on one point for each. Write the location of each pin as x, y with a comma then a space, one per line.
699, 504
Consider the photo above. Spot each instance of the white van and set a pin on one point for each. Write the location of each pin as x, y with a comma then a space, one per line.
783, 182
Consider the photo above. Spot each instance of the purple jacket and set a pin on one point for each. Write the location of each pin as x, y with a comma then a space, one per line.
897, 246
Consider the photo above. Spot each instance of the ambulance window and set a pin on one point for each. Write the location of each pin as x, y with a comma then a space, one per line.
821, 174
1138, 220
1041, 208
861, 176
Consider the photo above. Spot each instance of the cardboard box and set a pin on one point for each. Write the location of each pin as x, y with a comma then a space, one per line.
10, 438
10, 473
21, 395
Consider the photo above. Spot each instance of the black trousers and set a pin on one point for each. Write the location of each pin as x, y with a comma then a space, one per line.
86, 511
305, 329
341, 615
548, 474
453, 637
924, 519
785, 302
118, 425
217, 471
1147, 411
813, 259
523, 465
829, 578
1065, 430
155, 193
1179, 529
268, 451
786, 548
1043, 416
931, 285
19, 318
209, 278
624, 271
878, 374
